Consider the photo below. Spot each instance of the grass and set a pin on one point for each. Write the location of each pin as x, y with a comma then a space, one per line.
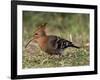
71, 57
73, 27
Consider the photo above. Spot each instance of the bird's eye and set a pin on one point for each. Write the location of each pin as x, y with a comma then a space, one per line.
36, 34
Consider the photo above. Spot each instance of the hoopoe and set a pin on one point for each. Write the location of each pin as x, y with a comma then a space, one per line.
50, 44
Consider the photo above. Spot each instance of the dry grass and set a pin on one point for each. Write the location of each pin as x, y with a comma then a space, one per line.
71, 57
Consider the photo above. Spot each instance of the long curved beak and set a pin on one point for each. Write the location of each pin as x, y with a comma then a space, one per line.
28, 42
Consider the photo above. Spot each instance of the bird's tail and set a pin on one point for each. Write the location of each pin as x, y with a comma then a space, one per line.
75, 46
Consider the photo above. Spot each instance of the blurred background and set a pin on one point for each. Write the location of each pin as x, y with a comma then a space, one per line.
70, 26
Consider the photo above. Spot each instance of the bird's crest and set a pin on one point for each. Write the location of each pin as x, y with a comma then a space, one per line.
42, 26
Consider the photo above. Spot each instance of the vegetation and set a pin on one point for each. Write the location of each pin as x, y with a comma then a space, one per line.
70, 26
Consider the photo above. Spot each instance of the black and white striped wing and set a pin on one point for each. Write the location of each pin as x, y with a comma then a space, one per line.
59, 43
62, 43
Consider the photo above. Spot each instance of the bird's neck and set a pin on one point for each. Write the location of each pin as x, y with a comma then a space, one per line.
42, 41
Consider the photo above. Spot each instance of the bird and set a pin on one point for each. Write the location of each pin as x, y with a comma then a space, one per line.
51, 44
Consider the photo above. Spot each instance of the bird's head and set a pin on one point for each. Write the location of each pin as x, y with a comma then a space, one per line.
40, 32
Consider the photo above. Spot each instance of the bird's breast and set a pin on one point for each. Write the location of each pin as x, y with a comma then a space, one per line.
42, 42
